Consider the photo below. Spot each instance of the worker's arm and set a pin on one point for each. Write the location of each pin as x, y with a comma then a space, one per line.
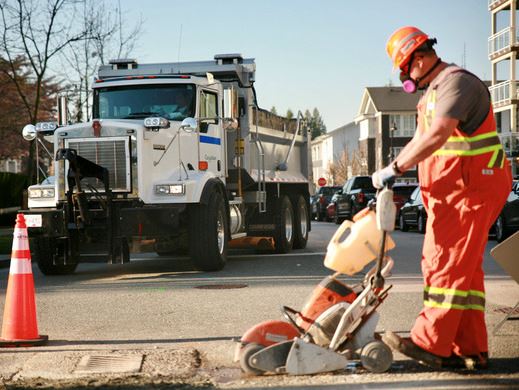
424, 144
419, 148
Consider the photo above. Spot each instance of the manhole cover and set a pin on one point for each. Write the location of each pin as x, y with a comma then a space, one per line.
220, 286
109, 364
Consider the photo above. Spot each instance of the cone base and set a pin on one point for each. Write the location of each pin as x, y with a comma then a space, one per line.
41, 340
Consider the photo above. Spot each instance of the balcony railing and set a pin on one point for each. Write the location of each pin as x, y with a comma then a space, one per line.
504, 92
501, 42
494, 3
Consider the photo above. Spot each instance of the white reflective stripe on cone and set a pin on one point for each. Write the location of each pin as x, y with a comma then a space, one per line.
20, 266
20, 239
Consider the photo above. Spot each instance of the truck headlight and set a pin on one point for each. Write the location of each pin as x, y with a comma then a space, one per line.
41, 193
170, 189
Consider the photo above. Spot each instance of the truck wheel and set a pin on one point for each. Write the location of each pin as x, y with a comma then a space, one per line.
49, 255
208, 234
301, 223
284, 220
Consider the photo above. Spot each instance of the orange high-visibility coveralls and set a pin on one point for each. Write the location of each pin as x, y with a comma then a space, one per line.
464, 186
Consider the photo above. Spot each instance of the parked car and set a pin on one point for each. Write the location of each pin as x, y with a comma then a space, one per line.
331, 208
320, 200
401, 193
413, 213
508, 220
353, 197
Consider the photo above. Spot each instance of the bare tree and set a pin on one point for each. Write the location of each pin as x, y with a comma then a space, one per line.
37, 31
107, 39
359, 165
339, 169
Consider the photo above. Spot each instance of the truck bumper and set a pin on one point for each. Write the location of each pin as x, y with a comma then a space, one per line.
151, 221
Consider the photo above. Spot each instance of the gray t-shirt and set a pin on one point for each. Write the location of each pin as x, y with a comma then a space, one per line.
463, 96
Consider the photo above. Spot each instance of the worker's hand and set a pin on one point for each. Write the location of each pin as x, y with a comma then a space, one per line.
383, 176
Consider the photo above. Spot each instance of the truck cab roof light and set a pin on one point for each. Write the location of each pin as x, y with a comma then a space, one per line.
123, 63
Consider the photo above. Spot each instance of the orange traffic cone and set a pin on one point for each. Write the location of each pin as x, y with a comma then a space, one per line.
20, 327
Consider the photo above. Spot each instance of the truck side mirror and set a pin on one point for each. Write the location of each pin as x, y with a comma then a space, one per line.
29, 132
230, 124
230, 103
188, 125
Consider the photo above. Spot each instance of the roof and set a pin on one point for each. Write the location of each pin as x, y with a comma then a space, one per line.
393, 99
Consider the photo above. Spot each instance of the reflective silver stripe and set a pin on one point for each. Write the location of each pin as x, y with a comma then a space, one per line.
445, 298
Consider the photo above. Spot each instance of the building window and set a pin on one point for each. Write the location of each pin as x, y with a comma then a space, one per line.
405, 125
11, 166
397, 150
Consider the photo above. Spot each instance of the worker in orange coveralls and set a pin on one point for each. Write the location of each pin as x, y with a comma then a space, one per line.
465, 179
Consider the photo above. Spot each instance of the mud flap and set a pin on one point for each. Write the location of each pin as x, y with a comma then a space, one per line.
306, 358
273, 358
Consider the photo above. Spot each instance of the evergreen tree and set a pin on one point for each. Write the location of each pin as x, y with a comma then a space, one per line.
317, 124
273, 110
289, 114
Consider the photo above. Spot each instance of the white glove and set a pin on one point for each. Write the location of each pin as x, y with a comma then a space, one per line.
383, 176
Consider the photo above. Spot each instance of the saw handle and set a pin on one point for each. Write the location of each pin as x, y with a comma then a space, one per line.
345, 225
288, 313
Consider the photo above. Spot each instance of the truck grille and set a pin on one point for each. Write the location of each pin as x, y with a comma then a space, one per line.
110, 153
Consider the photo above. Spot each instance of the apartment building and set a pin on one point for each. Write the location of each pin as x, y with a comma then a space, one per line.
503, 49
387, 121
330, 148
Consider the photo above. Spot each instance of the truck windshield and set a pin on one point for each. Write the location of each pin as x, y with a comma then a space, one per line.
173, 102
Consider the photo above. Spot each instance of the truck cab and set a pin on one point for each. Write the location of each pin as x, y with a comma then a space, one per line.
178, 154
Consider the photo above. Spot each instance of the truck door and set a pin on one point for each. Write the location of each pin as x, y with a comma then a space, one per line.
210, 135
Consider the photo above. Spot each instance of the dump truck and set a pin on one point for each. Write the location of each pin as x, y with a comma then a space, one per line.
178, 155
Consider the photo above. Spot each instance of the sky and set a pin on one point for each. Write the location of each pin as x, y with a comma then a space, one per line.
320, 53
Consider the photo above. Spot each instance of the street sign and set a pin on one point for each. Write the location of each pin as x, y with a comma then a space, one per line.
321, 181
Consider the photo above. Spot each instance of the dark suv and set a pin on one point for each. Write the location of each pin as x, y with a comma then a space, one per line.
320, 200
508, 220
353, 197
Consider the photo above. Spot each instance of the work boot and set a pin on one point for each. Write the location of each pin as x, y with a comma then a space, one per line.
472, 362
406, 346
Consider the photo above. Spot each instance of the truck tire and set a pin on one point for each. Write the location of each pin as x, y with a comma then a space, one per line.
301, 223
284, 225
47, 252
209, 234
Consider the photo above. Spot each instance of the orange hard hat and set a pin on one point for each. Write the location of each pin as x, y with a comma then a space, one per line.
402, 43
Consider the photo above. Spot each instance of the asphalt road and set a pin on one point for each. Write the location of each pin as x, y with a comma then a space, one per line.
187, 320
